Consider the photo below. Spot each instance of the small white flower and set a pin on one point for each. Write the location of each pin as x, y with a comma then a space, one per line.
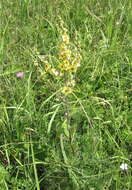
124, 166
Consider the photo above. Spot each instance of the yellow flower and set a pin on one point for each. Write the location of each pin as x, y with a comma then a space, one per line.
66, 90
72, 68
62, 56
66, 63
66, 54
47, 67
61, 66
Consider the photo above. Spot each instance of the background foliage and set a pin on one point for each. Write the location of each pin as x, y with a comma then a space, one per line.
87, 153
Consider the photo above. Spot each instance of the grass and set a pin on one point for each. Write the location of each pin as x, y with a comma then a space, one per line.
52, 141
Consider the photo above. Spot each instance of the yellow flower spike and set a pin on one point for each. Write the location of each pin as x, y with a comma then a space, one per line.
66, 90
65, 38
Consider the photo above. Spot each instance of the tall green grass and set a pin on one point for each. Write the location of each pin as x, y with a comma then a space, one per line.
38, 150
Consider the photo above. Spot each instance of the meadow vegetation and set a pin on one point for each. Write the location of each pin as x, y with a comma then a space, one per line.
65, 94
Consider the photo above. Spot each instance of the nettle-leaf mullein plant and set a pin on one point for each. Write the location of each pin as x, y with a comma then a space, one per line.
62, 69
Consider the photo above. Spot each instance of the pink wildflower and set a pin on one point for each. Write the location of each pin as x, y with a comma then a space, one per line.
20, 74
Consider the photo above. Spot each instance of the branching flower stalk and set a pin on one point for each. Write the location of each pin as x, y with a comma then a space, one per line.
64, 70
69, 61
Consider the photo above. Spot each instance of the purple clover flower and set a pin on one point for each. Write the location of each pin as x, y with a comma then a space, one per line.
20, 74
